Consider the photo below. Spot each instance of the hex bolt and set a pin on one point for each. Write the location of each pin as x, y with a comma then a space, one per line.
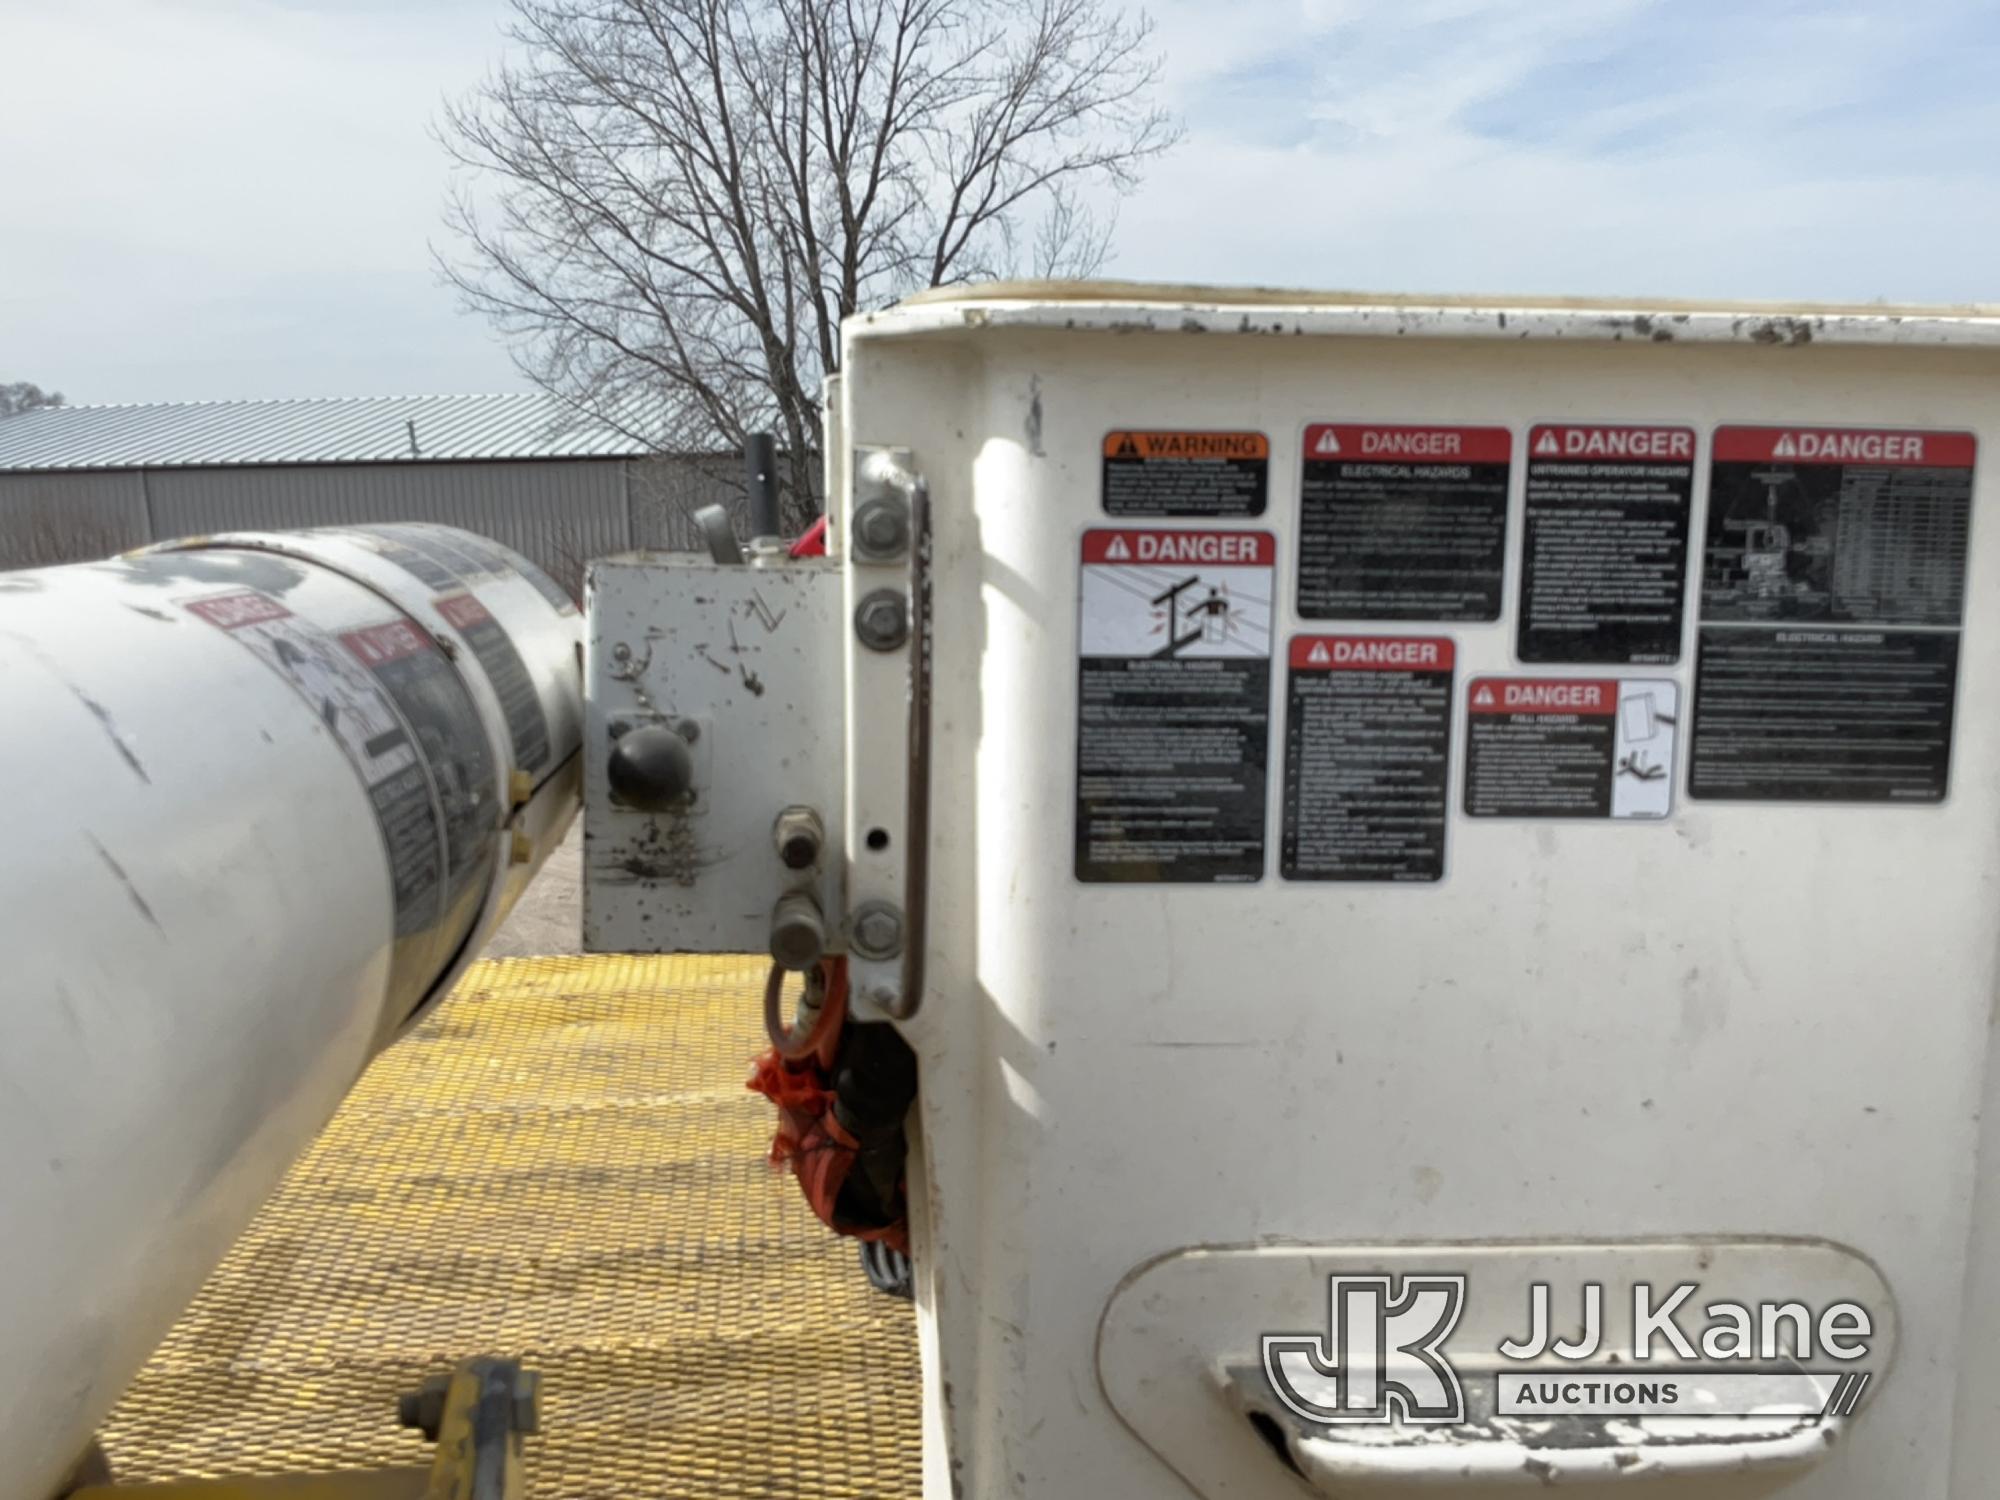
881, 529
882, 620
799, 836
876, 930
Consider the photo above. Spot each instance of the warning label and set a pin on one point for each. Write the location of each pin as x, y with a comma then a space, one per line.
1367, 751
1196, 474
1173, 704
1604, 560
1403, 523
1831, 528
1538, 747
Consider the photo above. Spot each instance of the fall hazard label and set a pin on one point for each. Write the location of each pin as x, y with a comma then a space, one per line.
1173, 704
1539, 747
1401, 522
1832, 593
1174, 473
1604, 552
1367, 756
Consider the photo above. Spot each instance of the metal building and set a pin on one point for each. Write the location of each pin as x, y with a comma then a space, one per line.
79, 482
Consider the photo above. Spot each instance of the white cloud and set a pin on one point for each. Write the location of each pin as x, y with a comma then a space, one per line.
205, 198
1698, 148
210, 198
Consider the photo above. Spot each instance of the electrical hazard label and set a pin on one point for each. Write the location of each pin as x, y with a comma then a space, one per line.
1367, 751
1813, 532
1403, 522
1214, 475
1604, 554
1539, 747
1173, 705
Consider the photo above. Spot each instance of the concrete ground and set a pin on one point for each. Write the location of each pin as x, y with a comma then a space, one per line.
549, 917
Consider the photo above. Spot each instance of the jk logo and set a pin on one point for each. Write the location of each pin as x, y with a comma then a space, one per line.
1379, 1359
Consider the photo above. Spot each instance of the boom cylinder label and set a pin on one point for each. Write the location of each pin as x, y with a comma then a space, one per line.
1832, 593
1173, 704
1367, 751
1403, 523
354, 705
1604, 549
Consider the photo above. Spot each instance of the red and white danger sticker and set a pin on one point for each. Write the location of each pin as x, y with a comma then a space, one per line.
1886, 447
1614, 443
390, 641
463, 610
1248, 549
1585, 747
1539, 695
1177, 593
1361, 443
234, 611
1370, 653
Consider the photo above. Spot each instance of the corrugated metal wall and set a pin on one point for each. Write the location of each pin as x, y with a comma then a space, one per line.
560, 512
59, 518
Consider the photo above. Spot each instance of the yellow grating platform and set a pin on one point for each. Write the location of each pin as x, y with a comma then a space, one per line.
562, 1165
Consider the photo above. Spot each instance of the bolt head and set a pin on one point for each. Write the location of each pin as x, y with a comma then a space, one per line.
881, 529
882, 620
878, 931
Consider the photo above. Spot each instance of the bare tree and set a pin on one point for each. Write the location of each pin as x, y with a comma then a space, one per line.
22, 396
670, 205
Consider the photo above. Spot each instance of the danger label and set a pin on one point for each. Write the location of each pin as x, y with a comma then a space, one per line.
1367, 756
1595, 748
1841, 445
1402, 522
1648, 443
1216, 475
1833, 539
1604, 558
1173, 713
1823, 715
1813, 531
1254, 548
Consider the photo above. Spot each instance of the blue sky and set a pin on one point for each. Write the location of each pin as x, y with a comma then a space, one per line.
215, 198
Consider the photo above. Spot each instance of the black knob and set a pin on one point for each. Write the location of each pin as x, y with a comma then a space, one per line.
651, 769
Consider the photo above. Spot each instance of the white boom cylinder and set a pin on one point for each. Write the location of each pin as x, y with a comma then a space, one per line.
270, 794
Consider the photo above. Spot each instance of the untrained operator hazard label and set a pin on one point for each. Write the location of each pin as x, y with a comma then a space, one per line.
1832, 591
1604, 549
1173, 704
1367, 746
